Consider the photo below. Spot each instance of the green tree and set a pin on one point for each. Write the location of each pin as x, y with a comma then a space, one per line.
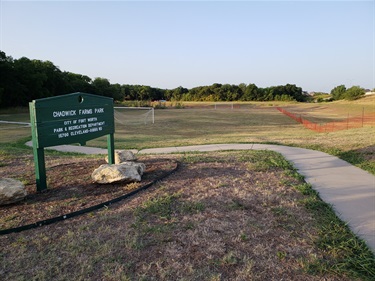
242, 87
102, 87
251, 93
193, 94
30, 74
338, 92
206, 94
145, 93
116, 91
230, 92
7, 80
77, 83
268, 94
178, 93
54, 84
294, 92
354, 93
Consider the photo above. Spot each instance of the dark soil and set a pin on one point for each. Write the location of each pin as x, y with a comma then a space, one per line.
70, 187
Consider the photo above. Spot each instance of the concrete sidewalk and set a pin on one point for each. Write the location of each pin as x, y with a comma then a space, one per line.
74, 148
350, 190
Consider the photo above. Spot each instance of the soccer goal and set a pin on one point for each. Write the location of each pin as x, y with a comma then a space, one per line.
134, 115
223, 105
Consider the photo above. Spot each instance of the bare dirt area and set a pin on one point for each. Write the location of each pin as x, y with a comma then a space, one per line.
70, 187
220, 216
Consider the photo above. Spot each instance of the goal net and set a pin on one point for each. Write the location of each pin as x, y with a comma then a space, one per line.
223, 105
134, 115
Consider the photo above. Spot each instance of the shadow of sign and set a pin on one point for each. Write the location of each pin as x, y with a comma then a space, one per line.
67, 119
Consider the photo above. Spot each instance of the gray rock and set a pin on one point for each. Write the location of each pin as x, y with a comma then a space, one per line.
11, 191
124, 172
141, 167
122, 156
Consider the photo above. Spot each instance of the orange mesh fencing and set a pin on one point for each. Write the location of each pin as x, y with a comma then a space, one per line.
346, 124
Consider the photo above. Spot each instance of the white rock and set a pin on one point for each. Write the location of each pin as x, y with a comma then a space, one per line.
124, 172
11, 191
122, 156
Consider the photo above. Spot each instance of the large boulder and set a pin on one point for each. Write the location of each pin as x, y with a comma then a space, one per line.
124, 172
122, 156
11, 191
141, 167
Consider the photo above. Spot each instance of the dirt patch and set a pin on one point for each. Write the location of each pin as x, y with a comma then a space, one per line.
70, 187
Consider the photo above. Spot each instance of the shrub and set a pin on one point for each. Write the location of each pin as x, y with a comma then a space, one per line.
354, 93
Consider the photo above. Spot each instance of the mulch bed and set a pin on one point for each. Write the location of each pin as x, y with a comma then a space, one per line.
70, 187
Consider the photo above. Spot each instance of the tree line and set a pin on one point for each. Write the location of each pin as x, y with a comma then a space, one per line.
340, 92
23, 80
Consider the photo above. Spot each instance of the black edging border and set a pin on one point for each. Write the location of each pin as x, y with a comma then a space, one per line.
89, 209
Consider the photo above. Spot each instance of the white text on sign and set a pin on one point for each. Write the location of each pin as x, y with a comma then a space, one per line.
67, 113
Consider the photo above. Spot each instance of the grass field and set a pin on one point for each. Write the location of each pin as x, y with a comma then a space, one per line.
200, 123
176, 127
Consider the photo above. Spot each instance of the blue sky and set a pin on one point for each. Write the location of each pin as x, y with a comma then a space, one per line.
316, 45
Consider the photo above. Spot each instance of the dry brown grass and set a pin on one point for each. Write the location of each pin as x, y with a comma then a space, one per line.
222, 216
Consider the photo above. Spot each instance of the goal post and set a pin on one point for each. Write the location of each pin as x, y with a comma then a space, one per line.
124, 114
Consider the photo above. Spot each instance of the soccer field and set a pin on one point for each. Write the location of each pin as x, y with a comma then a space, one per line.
205, 123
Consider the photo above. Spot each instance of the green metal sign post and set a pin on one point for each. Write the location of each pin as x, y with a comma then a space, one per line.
67, 119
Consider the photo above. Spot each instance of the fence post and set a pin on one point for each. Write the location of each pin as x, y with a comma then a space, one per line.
363, 115
347, 122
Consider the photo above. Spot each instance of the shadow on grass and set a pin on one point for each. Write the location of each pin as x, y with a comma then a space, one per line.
363, 158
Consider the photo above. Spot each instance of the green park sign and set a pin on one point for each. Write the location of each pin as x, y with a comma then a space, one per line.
68, 119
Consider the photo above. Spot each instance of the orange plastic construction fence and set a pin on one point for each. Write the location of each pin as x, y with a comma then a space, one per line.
346, 124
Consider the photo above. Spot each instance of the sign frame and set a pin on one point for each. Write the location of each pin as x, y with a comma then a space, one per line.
67, 119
